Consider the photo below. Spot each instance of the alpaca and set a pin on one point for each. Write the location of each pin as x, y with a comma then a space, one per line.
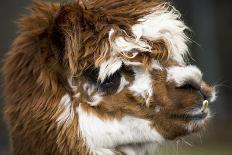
102, 77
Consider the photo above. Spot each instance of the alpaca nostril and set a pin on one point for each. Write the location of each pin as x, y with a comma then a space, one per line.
205, 96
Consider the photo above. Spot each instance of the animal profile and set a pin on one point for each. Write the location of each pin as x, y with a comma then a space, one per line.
103, 77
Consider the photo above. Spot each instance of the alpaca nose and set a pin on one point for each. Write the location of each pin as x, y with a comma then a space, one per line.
207, 92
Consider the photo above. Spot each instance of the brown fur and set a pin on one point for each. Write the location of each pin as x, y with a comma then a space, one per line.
58, 42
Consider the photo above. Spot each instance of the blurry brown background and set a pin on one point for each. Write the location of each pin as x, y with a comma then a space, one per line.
211, 22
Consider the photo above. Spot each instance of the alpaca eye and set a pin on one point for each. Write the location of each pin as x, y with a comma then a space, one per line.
110, 84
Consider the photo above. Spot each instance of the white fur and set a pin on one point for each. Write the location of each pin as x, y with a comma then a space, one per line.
132, 63
165, 24
181, 75
142, 84
122, 45
123, 84
95, 100
68, 114
109, 134
142, 149
214, 96
103, 151
109, 67
89, 88
156, 65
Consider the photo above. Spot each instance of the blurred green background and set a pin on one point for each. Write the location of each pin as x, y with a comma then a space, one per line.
211, 22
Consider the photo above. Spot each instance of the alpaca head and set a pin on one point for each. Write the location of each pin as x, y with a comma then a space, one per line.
124, 66
131, 67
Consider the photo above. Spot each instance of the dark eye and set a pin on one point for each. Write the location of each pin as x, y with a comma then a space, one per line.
111, 83
108, 86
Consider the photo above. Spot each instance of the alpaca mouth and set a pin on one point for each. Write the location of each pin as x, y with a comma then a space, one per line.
196, 114
197, 117
200, 113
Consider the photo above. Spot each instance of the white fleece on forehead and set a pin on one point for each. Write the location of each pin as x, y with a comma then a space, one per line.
184, 74
162, 24
165, 25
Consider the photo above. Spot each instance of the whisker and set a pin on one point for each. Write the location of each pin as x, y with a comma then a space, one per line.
200, 137
177, 146
186, 142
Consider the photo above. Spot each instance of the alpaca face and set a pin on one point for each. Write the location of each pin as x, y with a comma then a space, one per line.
136, 87
168, 96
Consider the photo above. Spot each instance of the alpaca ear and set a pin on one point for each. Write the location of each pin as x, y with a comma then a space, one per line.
57, 36
64, 35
